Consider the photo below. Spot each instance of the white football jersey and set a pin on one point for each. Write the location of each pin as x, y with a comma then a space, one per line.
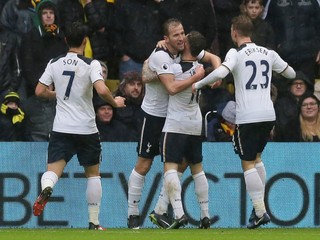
252, 67
183, 115
73, 77
155, 101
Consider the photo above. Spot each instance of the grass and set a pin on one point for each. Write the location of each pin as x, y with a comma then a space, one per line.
155, 234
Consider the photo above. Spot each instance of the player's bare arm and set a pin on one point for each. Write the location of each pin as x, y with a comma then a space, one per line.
214, 60
44, 91
174, 87
147, 74
106, 95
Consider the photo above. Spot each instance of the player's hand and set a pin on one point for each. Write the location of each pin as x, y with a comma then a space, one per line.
162, 44
216, 84
194, 90
199, 72
120, 101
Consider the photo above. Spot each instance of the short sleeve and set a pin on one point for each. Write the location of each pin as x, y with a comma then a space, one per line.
279, 65
200, 55
96, 71
160, 62
230, 60
46, 77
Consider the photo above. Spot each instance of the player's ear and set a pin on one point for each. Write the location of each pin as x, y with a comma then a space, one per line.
166, 39
84, 41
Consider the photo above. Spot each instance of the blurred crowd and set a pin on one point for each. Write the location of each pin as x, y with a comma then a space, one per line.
123, 33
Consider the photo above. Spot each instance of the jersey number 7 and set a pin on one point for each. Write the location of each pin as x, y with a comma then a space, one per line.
71, 75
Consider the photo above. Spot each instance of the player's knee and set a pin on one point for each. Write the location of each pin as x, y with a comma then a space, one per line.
143, 166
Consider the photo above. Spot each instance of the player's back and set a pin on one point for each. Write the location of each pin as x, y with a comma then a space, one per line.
252, 66
184, 115
73, 77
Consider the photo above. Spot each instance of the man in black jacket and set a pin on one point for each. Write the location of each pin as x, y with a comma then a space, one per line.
297, 31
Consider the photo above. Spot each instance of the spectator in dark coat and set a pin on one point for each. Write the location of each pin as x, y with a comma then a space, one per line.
136, 28
286, 106
132, 89
225, 11
96, 15
110, 129
297, 30
10, 72
11, 118
44, 42
262, 33
16, 16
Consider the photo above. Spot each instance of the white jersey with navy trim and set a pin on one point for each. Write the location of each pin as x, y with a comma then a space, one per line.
155, 101
73, 77
183, 115
252, 66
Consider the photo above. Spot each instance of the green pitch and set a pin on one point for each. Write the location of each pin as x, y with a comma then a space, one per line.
155, 234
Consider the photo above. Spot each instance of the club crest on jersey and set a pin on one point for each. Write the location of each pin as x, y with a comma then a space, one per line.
165, 66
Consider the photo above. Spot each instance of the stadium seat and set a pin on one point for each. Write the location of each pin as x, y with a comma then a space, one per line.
112, 84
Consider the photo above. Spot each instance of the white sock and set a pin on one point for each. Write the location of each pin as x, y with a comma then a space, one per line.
255, 189
201, 188
173, 188
49, 179
94, 195
262, 174
135, 186
163, 200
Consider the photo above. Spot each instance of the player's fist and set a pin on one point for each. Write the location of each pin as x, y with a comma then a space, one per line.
199, 72
120, 101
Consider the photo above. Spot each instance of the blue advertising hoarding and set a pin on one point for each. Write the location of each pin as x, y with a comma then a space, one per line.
292, 190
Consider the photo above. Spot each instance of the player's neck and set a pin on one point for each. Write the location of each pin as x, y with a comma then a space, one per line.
76, 50
172, 51
243, 41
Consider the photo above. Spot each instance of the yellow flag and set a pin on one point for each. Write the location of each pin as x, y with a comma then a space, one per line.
88, 50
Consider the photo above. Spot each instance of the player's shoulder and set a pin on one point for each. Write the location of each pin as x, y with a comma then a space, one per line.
162, 54
232, 53
85, 59
53, 60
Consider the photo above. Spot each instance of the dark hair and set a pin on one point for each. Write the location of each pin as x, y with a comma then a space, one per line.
170, 22
129, 77
304, 97
47, 5
243, 25
75, 34
246, 2
197, 42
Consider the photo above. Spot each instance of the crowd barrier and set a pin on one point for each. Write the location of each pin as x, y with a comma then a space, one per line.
292, 189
